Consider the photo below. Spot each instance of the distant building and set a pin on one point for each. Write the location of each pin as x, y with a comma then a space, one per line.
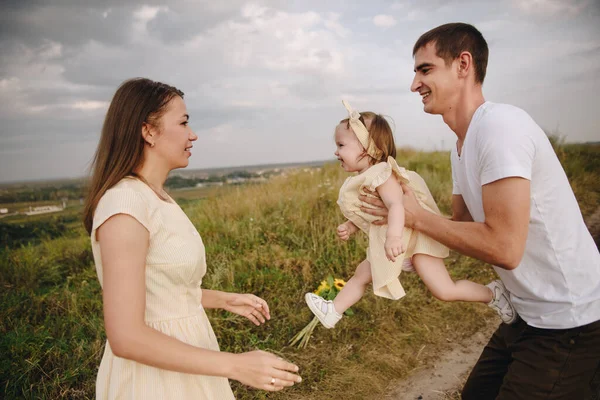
206, 184
43, 210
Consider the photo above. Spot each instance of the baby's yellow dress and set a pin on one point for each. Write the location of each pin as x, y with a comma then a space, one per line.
175, 265
386, 282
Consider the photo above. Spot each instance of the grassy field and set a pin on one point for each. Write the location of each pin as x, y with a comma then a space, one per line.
276, 240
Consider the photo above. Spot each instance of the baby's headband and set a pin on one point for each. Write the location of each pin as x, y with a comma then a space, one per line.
361, 132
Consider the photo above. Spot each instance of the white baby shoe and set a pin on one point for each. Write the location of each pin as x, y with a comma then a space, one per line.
323, 310
501, 302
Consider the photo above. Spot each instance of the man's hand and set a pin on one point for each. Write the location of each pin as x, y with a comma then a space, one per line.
345, 230
394, 246
411, 207
378, 208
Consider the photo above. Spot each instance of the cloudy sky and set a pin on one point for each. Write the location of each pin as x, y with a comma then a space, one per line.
263, 80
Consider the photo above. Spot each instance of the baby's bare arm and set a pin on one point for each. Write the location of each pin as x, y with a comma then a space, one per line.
391, 195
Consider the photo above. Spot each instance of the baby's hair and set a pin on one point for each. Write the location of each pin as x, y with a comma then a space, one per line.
380, 133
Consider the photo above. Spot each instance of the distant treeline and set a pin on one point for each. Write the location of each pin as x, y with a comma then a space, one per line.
75, 191
46, 193
16, 234
176, 182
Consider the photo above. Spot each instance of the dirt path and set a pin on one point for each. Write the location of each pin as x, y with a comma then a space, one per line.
443, 379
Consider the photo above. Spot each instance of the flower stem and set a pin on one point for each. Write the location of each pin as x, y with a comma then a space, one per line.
303, 337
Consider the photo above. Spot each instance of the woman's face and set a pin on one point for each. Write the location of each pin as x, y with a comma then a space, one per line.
173, 144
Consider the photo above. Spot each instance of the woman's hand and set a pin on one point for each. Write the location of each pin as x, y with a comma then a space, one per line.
248, 305
263, 370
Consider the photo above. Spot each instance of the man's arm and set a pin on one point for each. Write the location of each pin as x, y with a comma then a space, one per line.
499, 240
460, 212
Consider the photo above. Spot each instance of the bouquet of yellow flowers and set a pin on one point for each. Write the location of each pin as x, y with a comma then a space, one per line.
328, 289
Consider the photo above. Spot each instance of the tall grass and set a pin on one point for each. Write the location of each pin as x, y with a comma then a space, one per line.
276, 240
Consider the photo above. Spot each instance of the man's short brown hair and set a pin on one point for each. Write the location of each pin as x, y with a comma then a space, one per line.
452, 39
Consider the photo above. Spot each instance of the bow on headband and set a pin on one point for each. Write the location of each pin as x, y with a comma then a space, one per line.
361, 132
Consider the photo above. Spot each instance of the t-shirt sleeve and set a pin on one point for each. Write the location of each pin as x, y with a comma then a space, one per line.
506, 150
121, 201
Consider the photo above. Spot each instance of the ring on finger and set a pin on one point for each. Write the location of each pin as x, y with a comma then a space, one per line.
272, 381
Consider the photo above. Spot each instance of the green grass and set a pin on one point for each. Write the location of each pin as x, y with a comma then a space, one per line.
276, 240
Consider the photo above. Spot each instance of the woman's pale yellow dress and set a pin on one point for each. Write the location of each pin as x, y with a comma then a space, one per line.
386, 274
175, 265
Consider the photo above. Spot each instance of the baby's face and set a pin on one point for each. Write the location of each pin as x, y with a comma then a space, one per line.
349, 151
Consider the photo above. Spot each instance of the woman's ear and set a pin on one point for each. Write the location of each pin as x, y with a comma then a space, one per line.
148, 134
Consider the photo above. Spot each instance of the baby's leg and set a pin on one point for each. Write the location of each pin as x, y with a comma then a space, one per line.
354, 288
435, 276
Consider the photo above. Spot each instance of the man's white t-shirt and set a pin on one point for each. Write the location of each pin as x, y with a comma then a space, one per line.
557, 283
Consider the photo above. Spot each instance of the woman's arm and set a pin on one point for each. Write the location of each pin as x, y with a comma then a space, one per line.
123, 247
247, 305
213, 298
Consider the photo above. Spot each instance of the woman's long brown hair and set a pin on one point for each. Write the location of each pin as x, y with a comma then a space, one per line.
121, 147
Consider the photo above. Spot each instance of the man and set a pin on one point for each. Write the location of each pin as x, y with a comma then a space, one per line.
512, 207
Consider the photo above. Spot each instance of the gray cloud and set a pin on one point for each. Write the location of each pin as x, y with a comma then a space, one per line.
264, 80
34, 25
184, 20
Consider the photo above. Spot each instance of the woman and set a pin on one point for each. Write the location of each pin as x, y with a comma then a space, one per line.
150, 262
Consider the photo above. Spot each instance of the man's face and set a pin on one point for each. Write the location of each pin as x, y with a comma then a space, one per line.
436, 82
